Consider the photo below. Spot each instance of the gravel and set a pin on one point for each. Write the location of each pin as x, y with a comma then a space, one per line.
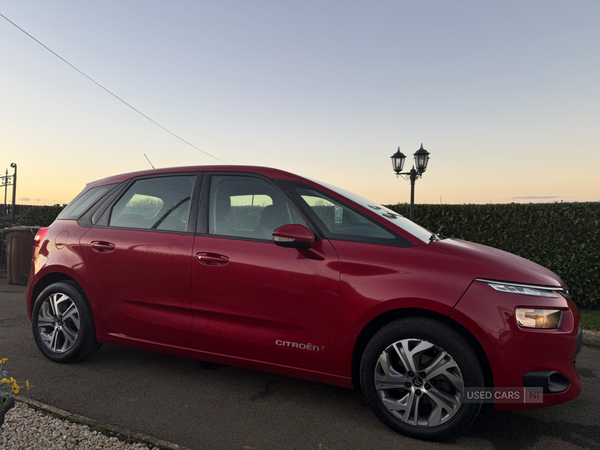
591, 337
27, 429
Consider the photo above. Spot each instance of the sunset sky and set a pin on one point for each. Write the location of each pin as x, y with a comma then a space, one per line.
505, 95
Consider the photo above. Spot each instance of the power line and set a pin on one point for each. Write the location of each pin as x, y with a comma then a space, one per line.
111, 93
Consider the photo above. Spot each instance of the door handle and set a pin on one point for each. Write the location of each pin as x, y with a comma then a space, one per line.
102, 246
212, 259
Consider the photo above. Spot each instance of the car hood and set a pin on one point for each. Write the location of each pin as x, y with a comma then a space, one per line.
493, 264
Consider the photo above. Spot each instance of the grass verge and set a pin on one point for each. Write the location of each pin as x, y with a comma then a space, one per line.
590, 319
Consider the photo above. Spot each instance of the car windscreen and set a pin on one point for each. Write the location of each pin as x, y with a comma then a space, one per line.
391, 216
83, 202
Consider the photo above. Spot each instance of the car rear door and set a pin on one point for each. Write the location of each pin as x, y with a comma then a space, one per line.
139, 257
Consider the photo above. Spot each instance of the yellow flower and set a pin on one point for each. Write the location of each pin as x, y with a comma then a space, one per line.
15, 388
27, 384
5, 380
12, 380
3, 360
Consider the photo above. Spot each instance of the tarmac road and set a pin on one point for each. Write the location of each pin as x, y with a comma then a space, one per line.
206, 406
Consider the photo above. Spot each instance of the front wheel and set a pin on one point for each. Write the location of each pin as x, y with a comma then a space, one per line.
414, 373
63, 325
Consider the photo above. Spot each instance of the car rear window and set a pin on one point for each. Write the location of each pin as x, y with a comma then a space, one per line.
83, 202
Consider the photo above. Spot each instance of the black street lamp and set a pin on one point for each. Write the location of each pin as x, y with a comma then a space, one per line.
9, 180
421, 160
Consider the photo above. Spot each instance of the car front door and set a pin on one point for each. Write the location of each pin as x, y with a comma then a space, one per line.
139, 258
251, 298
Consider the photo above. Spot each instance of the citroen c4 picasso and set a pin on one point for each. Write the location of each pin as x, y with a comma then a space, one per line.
263, 269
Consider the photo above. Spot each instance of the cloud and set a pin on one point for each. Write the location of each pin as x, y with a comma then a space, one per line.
536, 197
39, 200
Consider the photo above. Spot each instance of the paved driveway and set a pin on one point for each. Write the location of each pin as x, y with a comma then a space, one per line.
206, 406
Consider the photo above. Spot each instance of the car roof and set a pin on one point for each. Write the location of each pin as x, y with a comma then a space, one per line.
266, 171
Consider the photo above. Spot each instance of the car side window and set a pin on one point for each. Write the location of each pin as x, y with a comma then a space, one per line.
248, 207
83, 202
339, 219
155, 204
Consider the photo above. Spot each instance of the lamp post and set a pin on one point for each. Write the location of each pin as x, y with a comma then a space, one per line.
421, 160
9, 180
14, 194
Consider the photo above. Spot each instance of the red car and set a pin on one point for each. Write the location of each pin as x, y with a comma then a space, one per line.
259, 268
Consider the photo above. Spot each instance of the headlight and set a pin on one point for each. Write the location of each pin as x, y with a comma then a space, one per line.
523, 289
538, 318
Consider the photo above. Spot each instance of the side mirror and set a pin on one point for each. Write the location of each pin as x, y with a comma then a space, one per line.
294, 236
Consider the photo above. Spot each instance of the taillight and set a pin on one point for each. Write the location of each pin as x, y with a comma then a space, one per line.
39, 237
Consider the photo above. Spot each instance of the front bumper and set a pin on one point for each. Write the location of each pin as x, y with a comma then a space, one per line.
521, 357
579, 345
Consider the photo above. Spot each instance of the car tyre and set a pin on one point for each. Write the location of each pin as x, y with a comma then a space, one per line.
63, 324
414, 373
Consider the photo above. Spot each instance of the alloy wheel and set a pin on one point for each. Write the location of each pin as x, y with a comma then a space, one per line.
419, 383
58, 322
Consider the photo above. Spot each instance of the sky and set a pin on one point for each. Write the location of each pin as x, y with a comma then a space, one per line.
505, 95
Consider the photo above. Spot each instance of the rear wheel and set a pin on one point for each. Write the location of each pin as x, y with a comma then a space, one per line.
414, 372
63, 325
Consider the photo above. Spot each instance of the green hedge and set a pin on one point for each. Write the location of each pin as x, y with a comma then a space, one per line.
564, 237
38, 216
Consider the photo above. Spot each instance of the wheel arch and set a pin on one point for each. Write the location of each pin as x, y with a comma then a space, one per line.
51, 278
389, 316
